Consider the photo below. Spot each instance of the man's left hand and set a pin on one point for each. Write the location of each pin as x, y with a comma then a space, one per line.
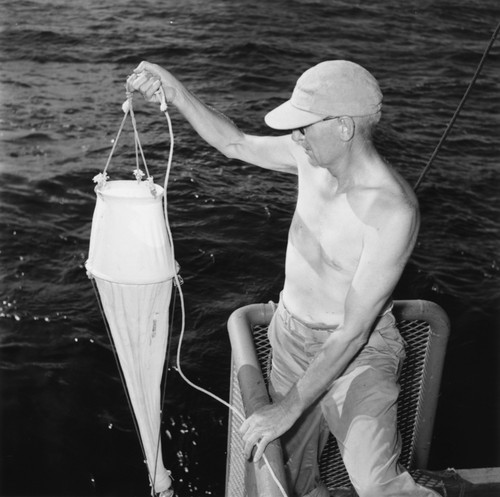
265, 425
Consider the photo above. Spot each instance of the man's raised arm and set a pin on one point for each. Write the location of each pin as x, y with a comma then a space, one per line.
214, 127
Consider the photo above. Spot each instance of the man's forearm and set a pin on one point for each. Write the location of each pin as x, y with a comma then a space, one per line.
326, 367
213, 126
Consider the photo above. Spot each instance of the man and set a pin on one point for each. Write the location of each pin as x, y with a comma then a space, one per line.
336, 350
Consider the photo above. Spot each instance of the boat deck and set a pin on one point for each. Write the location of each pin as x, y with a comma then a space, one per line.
481, 482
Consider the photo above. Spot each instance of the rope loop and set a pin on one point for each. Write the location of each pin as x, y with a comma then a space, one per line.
138, 173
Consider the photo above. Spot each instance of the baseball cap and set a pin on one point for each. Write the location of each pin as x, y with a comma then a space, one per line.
331, 88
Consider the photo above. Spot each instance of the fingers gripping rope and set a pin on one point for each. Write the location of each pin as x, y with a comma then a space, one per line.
160, 93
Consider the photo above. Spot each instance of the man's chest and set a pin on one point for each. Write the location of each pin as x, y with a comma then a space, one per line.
327, 233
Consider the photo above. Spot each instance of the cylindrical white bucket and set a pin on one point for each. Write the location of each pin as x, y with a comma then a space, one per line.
128, 240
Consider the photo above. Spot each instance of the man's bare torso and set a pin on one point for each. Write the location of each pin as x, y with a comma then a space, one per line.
325, 244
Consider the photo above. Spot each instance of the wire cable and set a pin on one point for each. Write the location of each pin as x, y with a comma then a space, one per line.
459, 108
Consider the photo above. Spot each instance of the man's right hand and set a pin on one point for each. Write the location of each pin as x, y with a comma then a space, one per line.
147, 80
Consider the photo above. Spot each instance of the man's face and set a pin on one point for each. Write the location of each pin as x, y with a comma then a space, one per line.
320, 141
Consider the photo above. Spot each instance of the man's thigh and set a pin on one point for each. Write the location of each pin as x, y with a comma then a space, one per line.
361, 412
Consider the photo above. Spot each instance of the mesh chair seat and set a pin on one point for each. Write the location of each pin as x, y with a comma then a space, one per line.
425, 328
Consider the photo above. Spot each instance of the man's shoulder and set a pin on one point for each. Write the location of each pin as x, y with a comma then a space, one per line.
382, 204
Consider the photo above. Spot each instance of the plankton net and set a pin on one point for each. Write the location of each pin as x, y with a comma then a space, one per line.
132, 266
133, 269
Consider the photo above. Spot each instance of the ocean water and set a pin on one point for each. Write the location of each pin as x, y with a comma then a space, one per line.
65, 426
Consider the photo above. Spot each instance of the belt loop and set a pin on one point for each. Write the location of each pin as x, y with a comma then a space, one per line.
285, 315
274, 306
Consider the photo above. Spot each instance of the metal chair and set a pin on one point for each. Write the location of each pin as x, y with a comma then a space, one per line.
424, 326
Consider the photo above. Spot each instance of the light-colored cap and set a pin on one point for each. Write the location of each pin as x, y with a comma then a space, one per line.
332, 88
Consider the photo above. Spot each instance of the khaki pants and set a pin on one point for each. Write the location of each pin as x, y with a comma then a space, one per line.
359, 409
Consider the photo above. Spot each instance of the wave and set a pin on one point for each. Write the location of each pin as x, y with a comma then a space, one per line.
38, 45
24, 136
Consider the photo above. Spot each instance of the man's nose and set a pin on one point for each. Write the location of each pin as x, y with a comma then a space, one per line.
297, 136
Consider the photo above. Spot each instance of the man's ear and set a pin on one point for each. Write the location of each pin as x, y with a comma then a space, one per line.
347, 128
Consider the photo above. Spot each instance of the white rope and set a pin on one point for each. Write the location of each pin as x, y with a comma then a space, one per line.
163, 106
126, 110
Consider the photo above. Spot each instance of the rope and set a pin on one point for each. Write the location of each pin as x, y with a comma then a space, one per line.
138, 146
459, 108
126, 110
129, 110
181, 296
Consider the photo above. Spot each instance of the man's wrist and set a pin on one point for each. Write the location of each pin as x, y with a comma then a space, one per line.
293, 403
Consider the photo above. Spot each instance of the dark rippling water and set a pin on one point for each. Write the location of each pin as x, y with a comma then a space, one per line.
65, 425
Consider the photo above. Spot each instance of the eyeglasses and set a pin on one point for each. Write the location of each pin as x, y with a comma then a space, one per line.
302, 129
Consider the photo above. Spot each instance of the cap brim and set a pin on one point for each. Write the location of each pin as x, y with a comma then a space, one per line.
286, 116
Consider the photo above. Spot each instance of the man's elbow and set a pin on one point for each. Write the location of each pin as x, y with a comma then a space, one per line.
229, 151
234, 149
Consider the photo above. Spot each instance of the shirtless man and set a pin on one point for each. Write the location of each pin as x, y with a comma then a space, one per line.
336, 350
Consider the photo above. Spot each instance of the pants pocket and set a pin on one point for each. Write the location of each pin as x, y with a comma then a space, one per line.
393, 340
385, 348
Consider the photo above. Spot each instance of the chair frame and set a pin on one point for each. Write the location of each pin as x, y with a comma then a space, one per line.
428, 324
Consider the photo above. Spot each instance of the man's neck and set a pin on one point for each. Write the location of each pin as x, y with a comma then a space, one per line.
356, 166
